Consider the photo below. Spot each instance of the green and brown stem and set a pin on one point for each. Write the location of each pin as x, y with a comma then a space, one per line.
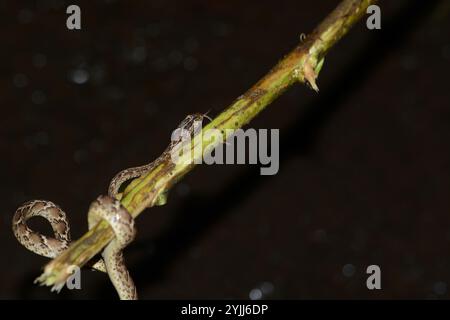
302, 65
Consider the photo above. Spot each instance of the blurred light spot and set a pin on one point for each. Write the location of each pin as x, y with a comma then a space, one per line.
255, 294
348, 270
39, 60
261, 291
139, 54
20, 80
190, 64
79, 76
25, 16
440, 288
267, 288
38, 97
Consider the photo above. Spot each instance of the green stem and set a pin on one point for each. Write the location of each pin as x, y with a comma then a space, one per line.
302, 64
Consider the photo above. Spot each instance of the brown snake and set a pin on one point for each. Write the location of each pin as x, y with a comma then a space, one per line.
106, 208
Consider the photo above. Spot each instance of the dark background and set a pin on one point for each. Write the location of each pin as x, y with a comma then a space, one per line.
365, 164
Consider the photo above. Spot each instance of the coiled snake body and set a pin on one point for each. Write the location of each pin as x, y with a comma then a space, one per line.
107, 208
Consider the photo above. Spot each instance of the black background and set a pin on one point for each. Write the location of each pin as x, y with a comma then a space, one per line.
364, 169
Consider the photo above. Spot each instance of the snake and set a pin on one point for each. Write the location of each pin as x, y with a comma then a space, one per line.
187, 125
105, 207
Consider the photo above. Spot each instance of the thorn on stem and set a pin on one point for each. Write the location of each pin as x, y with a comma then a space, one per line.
310, 75
308, 72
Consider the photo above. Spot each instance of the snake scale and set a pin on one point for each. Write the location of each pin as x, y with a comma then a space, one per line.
106, 208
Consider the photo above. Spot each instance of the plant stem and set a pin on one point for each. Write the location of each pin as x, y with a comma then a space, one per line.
302, 64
